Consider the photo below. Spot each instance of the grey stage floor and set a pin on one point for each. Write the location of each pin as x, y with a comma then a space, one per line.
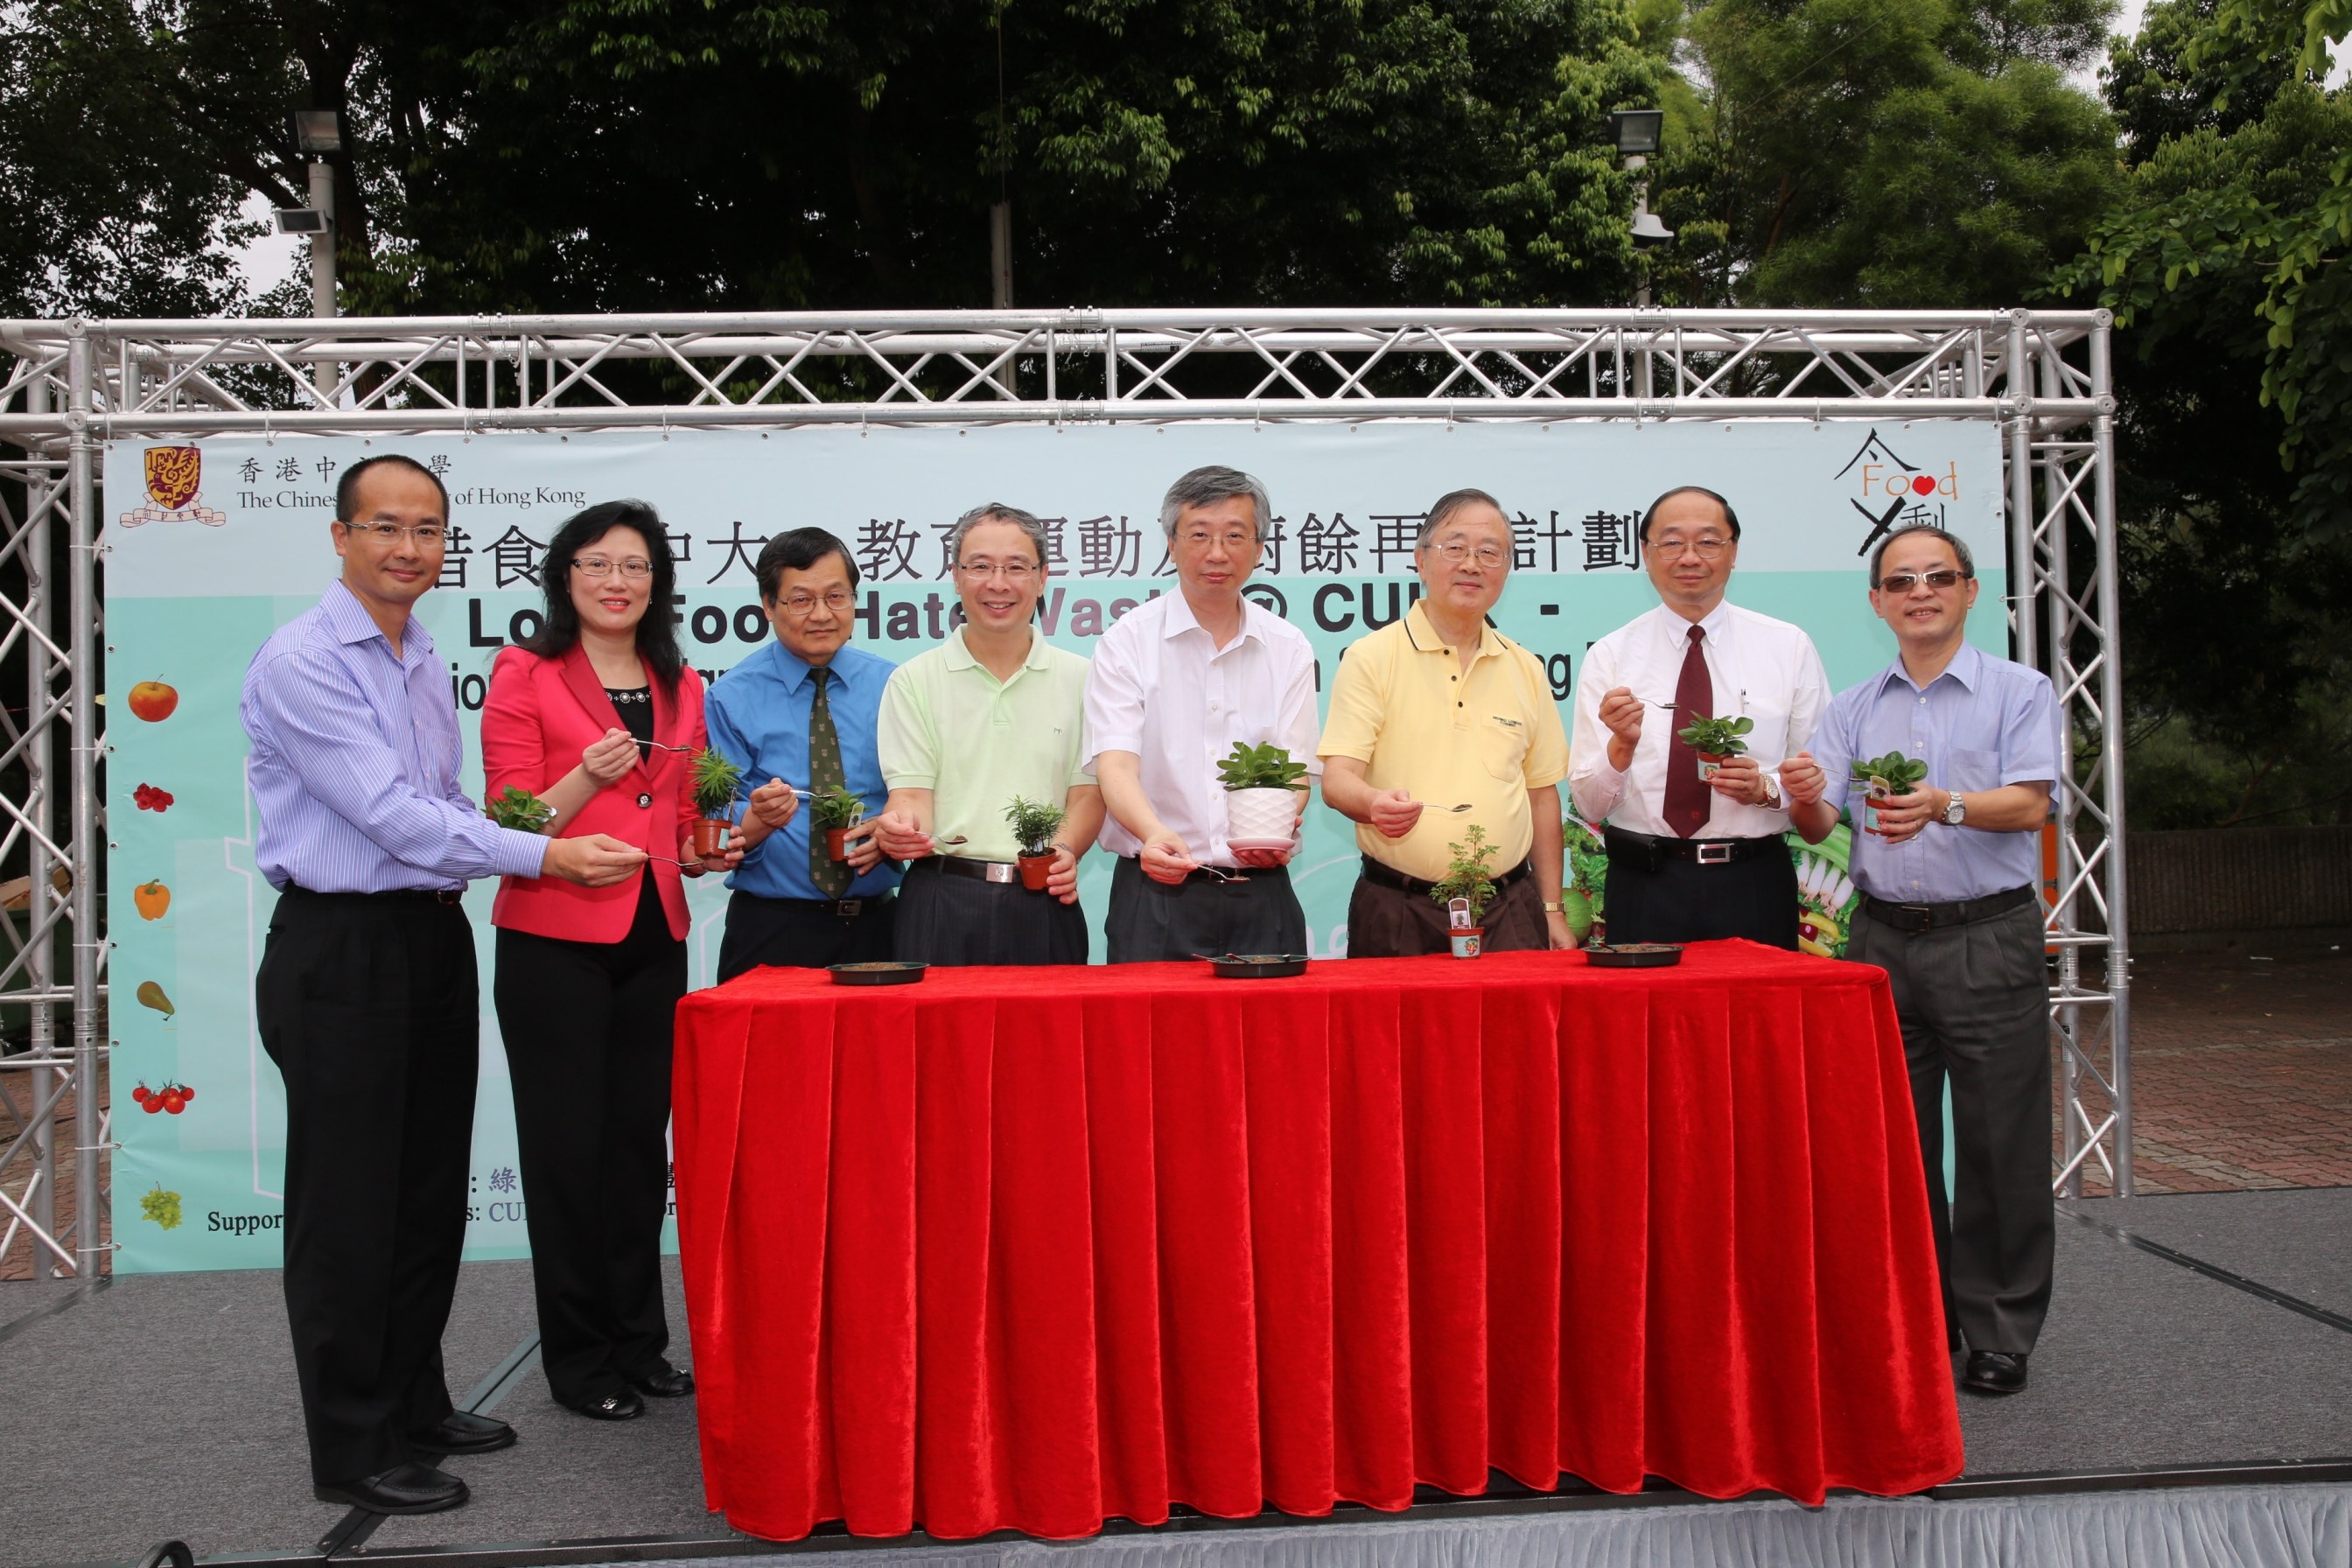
164, 1406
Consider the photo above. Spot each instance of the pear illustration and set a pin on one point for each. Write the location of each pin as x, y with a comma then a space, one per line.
151, 995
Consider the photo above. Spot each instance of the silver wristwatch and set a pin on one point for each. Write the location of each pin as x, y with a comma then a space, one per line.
1956, 812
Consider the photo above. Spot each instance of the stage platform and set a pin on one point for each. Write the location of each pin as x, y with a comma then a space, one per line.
2191, 1401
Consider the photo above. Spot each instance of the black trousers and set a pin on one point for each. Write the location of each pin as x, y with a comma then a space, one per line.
1390, 922
1152, 923
796, 934
1973, 1001
1684, 902
954, 921
369, 1005
587, 1027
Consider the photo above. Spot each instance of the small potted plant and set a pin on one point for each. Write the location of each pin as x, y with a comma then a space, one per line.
715, 781
519, 809
834, 813
1261, 788
1034, 825
1883, 778
1471, 879
1716, 741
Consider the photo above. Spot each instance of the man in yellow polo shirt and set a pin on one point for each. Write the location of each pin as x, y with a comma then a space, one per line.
1436, 710
993, 714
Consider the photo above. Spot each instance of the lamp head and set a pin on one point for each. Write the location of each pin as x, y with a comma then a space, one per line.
1648, 230
317, 131
1636, 131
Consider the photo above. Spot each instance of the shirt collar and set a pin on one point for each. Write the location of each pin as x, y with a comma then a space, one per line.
1182, 619
1716, 623
351, 622
1967, 667
1423, 634
960, 655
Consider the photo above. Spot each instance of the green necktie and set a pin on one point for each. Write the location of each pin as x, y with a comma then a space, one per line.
831, 876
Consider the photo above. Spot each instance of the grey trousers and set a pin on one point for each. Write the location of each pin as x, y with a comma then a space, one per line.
1974, 1005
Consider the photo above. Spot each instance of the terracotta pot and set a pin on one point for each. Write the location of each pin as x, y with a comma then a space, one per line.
1034, 869
1708, 762
710, 835
837, 843
1468, 942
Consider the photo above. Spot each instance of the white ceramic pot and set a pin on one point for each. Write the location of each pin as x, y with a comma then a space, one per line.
1260, 814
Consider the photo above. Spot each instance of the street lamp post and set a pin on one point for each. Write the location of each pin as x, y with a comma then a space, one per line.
1637, 134
318, 131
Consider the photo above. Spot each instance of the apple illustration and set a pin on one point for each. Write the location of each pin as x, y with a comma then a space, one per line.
154, 702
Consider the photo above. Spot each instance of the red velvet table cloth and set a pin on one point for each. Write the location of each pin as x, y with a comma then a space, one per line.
1037, 1247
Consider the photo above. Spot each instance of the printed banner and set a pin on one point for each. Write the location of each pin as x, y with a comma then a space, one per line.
210, 546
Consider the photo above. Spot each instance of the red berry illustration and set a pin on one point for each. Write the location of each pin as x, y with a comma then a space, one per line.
147, 797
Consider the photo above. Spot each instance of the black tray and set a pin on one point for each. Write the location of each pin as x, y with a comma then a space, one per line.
1635, 955
876, 974
1258, 965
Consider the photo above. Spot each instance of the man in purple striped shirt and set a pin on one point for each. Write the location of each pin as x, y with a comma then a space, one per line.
367, 996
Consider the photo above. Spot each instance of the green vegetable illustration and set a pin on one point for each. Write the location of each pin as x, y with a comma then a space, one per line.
160, 1207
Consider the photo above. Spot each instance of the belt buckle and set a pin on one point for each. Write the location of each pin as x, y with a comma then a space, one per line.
1715, 854
849, 909
1000, 871
1925, 915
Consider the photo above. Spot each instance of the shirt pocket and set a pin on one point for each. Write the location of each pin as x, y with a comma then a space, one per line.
1502, 746
1768, 742
1968, 771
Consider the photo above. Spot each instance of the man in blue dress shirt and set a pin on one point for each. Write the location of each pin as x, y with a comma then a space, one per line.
801, 714
1950, 912
367, 998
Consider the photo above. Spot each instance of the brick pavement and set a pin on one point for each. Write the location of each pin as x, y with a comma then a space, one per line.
2241, 1069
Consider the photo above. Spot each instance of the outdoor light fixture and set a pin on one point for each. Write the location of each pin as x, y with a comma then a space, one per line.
299, 220
1635, 131
1648, 230
317, 131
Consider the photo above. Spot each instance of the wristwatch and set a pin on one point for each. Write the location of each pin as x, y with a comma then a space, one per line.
1956, 811
1771, 801
1554, 909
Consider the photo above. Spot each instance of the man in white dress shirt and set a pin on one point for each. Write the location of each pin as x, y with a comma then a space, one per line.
1693, 858
1175, 684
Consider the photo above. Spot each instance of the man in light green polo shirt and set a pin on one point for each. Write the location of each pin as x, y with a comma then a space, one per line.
991, 715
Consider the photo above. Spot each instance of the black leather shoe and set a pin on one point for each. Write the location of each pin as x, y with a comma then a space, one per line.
669, 1383
621, 1407
1994, 1372
463, 1432
409, 1487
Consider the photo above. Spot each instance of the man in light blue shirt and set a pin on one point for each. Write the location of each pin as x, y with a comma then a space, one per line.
800, 715
1950, 911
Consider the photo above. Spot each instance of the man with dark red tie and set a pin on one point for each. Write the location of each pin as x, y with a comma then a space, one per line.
1694, 851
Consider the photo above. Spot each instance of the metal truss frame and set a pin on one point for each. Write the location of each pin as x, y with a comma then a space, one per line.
68, 386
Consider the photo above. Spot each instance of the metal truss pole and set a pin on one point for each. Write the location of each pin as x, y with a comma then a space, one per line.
40, 947
90, 1121
2111, 748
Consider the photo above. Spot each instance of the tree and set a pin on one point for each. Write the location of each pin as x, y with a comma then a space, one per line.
1884, 153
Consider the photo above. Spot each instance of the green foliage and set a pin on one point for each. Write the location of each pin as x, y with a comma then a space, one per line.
1892, 774
1883, 153
1034, 823
831, 808
519, 809
1469, 873
714, 781
1718, 737
1267, 766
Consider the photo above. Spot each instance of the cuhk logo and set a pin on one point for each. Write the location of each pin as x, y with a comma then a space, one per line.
173, 476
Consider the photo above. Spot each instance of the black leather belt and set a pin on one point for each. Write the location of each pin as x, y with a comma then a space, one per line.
1646, 850
1390, 877
840, 909
977, 870
1942, 917
394, 895
1216, 874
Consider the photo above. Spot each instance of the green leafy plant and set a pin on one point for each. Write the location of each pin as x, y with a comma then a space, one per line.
1892, 774
520, 809
1260, 767
714, 780
1034, 823
163, 1207
833, 808
1718, 737
1469, 875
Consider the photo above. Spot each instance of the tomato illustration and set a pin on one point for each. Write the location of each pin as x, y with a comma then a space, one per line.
138, 1095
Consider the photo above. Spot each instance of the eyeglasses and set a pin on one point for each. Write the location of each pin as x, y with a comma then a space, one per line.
1201, 539
1015, 573
1492, 557
801, 606
636, 569
1708, 545
1943, 579
424, 533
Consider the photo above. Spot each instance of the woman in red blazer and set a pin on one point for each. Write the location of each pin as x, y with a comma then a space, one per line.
588, 977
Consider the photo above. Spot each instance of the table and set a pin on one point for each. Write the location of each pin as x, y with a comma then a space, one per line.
1034, 1248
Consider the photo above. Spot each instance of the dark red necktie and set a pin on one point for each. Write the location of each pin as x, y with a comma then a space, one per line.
1686, 793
